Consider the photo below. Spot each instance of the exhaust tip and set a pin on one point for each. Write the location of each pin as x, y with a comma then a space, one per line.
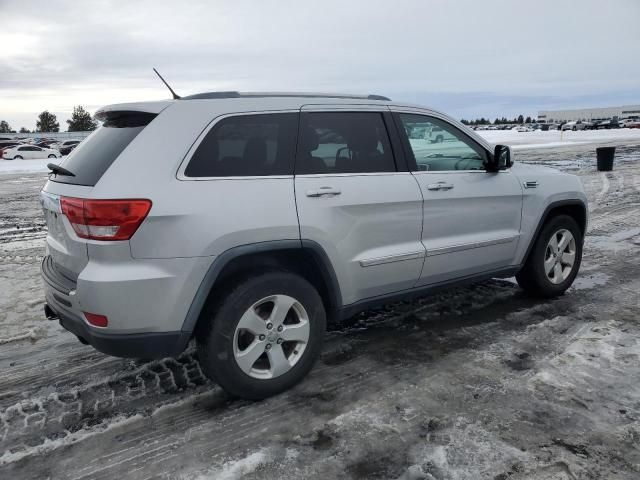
49, 313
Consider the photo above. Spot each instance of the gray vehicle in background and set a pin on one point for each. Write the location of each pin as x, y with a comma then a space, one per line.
248, 221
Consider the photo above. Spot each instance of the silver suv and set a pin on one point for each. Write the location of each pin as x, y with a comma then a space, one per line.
248, 221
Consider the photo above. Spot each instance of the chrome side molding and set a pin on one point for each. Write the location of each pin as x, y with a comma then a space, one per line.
370, 262
469, 246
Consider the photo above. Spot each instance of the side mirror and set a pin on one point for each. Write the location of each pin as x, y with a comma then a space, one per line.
501, 159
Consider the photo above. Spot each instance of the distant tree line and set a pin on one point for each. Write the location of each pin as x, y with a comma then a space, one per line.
520, 119
80, 121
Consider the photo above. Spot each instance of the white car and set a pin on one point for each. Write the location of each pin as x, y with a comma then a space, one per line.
579, 125
523, 128
29, 152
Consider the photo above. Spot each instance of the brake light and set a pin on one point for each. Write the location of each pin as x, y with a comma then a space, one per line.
105, 219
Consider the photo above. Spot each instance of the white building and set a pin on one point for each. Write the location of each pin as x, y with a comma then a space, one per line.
625, 111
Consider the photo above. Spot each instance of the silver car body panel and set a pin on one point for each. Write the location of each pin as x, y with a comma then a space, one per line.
384, 233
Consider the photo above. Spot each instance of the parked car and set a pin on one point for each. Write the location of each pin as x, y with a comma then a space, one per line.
67, 149
149, 246
606, 125
29, 152
633, 124
523, 128
576, 125
5, 146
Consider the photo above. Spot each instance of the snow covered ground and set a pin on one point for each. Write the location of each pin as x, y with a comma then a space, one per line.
556, 138
473, 383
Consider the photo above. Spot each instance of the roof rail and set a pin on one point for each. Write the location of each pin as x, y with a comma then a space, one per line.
234, 94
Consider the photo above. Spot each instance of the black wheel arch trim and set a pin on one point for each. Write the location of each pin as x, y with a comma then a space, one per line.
545, 216
218, 264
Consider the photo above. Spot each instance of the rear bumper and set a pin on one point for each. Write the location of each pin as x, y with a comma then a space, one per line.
61, 299
133, 345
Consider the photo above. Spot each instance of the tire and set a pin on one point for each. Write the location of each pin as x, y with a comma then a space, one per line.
221, 339
574, 129
52, 156
533, 278
17, 157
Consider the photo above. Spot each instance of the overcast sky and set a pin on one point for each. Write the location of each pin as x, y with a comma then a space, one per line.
467, 57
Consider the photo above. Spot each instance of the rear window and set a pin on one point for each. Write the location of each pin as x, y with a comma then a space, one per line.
247, 145
94, 156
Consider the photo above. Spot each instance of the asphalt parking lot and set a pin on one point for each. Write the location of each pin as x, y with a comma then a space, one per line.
476, 382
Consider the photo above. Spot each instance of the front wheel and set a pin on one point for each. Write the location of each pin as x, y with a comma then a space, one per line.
17, 157
263, 336
554, 260
52, 156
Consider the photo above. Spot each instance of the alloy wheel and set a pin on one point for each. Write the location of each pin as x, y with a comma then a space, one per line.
560, 256
271, 337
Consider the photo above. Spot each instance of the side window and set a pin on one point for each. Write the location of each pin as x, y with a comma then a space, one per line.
438, 146
247, 145
343, 142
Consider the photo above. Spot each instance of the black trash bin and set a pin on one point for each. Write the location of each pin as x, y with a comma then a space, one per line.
605, 158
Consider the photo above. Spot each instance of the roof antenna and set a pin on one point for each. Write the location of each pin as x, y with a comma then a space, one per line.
175, 95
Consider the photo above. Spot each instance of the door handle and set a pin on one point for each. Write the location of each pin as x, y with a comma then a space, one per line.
319, 192
440, 186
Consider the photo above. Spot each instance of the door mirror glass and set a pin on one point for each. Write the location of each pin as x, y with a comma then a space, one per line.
501, 159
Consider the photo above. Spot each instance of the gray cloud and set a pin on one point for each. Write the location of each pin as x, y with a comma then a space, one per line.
467, 57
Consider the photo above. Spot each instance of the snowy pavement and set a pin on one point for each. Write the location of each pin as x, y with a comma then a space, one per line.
476, 382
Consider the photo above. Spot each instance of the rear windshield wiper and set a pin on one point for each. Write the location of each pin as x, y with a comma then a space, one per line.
58, 170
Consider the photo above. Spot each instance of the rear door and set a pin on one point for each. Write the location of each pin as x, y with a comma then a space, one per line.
471, 217
25, 152
355, 202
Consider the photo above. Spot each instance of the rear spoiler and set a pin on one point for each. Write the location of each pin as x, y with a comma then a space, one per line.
127, 109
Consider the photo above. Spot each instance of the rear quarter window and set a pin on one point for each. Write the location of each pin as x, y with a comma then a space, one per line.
93, 157
247, 145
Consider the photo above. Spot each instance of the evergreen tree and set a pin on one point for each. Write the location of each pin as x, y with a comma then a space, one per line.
24, 130
47, 122
520, 119
4, 127
81, 121
528, 120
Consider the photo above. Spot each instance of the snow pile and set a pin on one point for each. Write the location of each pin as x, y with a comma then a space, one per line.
556, 138
32, 334
26, 166
235, 470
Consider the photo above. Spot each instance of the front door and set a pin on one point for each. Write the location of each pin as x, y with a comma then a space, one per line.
471, 217
353, 201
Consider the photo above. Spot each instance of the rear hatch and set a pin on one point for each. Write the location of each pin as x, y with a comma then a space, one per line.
65, 196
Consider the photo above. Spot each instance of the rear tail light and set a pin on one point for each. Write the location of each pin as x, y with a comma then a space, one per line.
105, 219
96, 320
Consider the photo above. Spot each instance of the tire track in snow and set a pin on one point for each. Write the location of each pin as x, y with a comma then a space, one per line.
71, 410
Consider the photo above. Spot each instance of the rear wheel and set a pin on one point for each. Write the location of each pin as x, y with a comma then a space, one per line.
17, 157
554, 260
264, 336
52, 156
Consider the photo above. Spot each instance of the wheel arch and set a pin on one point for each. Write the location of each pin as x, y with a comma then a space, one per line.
306, 258
576, 209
